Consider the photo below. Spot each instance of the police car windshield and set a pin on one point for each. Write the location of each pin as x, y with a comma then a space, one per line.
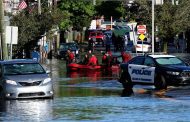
169, 61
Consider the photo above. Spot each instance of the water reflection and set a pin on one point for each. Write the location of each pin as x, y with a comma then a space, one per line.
26, 110
93, 75
86, 92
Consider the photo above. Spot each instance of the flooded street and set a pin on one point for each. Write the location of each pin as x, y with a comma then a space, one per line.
98, 97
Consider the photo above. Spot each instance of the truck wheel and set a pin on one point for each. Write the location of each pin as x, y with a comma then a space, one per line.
160, 82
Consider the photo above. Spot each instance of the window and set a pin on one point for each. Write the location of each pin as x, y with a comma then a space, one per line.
138, 60
170, 61
92, 34
23, 68
149, 61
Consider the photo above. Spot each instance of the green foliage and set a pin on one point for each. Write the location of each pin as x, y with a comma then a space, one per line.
28, 27
143, 13
166, 21
80, 11
32, 25
170, 19
140, 11
183, 15
111, 8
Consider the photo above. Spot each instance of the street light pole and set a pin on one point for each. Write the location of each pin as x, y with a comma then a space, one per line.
153, 1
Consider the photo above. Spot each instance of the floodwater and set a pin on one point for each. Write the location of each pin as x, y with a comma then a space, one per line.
98, 97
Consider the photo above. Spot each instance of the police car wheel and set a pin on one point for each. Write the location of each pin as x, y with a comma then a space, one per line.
160, 82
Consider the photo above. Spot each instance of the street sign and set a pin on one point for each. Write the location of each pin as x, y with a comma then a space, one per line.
141, 29
142, 37
11, 35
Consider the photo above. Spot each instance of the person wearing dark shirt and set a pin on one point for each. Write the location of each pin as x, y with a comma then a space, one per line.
108, 42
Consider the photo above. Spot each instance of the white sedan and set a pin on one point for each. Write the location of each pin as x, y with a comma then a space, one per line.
143, 46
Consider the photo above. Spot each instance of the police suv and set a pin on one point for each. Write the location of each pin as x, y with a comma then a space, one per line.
157, 70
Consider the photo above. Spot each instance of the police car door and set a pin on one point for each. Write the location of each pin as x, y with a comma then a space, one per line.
140, 72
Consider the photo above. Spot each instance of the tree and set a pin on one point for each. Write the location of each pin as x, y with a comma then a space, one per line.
32, 25
140, 11
80, 11
165, 20
111, 8
170, 19
183, 13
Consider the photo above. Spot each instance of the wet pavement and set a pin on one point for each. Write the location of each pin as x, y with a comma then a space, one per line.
98, 97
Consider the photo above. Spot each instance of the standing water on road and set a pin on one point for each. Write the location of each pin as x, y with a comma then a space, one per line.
98, 97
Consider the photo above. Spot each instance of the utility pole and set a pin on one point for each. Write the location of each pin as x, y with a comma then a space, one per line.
3, 46
153, 26
94, 2
39, 7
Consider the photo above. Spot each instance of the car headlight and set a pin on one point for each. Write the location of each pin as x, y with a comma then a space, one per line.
12, 82
173, 73
77, 51
47, 80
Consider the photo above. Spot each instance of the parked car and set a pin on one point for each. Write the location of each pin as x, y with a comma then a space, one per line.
96, 36
24, 78
142, 46
158, 70
64, 47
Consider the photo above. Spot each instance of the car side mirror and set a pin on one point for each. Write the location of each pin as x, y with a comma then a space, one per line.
48, 71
